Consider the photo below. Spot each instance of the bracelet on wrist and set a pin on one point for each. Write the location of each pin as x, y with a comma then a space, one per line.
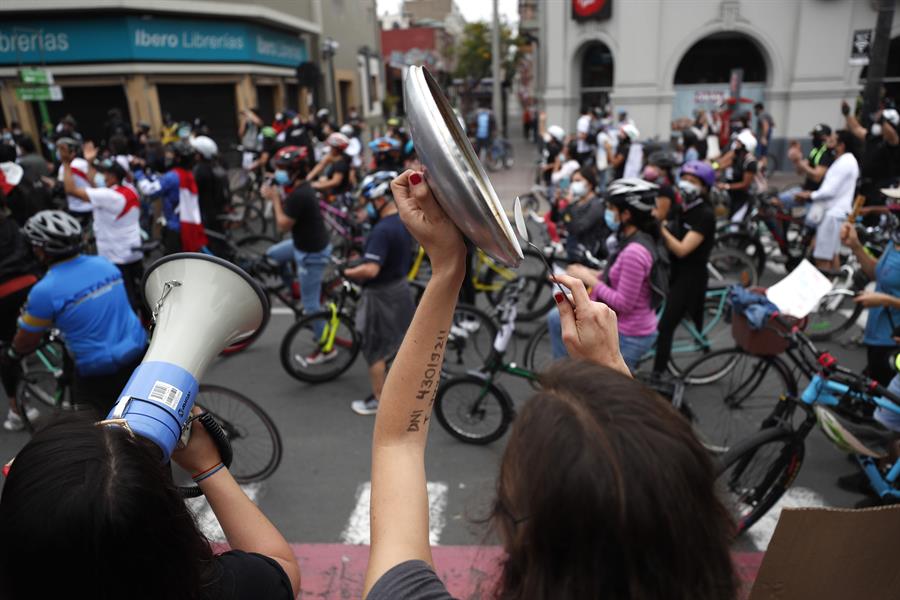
208, 472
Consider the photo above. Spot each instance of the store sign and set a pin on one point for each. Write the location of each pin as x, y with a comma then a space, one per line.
584, 10
152, 39
52, 93
36, 76
860, 47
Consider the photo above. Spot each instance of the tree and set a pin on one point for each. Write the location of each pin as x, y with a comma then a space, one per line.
473, 55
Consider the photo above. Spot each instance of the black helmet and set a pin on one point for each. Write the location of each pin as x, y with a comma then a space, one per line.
637, 195
664, 159
56, 232
183, 149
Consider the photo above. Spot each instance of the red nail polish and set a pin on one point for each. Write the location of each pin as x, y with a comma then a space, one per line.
558, 296
415, 179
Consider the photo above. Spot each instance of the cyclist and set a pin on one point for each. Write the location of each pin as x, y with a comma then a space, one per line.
764, 126
331, 175
624, 286
832, 202
296, 208
79, 208
583, 217
84, 298
813, 167
690, 241
386, 154
212, 182
386, 306
620, 155
584, 151
249, 131
117, 213
19, 271
483, 127
180, 202
740, 169
554, 141
661, 171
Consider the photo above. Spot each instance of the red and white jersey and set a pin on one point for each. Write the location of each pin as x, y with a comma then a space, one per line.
193, 238
80, 170
117, 227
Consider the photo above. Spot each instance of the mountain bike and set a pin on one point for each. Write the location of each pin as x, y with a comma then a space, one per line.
755, 473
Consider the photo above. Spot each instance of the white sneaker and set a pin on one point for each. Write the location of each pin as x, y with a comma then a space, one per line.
458, 332
15, 423
470, 324
369, 406
316, 358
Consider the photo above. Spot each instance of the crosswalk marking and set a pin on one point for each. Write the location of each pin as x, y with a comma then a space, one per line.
357, 529
206, 519
795, 497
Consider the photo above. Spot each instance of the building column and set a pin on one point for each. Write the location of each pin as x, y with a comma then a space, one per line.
245, 94
303, 102
143, 102
280, 96
16, 110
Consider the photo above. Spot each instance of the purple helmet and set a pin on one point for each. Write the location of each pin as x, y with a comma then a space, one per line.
701, 170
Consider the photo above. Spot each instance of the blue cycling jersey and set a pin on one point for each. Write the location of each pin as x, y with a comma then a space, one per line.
84, 297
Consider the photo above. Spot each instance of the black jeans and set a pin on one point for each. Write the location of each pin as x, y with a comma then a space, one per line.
102, 391
685, 299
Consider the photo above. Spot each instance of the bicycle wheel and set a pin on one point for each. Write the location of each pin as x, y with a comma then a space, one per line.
303, 355
730, 266
470, 340
248, 220
473, 410
689, 345
741, 392
746, 244
757, 472
253, 436
538, 351
40, 391
536, 299
835, 313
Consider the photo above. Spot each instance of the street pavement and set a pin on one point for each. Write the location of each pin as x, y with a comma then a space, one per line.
319, 496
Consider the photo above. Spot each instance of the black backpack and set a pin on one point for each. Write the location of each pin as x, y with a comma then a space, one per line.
659, 273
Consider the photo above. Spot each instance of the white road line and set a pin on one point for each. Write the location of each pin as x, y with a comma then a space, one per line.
206, 519
281, 310
357, 529
795, 497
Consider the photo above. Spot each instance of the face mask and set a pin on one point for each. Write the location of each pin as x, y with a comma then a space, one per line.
610, 217
579, 189
58, 158
876, 129
99, 180
371, 212
282, 177
689, 189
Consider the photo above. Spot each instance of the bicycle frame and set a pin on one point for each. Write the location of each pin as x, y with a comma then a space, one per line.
698, 338
329, 338
483, 260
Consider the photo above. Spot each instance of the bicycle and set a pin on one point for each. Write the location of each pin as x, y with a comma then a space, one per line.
499, 155
759, 470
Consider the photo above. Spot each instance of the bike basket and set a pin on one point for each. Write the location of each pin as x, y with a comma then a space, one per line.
769, 340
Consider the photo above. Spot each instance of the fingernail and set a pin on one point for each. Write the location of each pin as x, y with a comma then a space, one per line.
415, 179
558, 296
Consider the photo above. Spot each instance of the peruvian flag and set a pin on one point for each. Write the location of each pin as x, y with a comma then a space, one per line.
193, 238
131, 199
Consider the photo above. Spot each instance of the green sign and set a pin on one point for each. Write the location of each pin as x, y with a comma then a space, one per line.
36, 76
46, 92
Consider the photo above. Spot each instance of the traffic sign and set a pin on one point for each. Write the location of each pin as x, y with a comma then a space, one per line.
40, 93
36, 76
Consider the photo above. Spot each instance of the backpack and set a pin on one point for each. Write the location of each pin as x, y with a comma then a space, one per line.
659, 273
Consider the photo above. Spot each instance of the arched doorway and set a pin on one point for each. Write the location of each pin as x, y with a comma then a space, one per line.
702, 77
596, 81
892, 74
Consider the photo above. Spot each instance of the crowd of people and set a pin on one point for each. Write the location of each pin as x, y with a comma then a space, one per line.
96, 495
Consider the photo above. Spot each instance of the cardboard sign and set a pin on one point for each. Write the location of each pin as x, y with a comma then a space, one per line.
832, 554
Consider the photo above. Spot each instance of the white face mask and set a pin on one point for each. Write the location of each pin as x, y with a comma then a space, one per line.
579, 189
875, 129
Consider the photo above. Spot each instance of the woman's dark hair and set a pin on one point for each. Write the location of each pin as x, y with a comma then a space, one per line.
847, 139
590, 176
95, 505
604, 492
118, 144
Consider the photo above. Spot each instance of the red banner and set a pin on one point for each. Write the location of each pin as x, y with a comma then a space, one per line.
583, 10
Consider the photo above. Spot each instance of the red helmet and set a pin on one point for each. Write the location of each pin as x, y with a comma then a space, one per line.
338, 140
291, 157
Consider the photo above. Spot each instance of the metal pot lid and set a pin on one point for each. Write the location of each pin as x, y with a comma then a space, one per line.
454, 172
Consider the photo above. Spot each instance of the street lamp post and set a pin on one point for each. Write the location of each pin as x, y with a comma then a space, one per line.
329, 49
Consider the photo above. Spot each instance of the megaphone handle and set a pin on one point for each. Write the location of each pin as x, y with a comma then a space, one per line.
219, 437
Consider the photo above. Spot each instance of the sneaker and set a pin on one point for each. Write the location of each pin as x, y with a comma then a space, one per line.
15, 423
369, 406
458, 332
316, 358
470, 324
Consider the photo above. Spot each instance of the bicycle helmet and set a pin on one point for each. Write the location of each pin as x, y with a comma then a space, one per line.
702, 171
205, 146
557, 133
268, 132
338, 141
409, 148
664, 159
183, 149
56, 232
377, 184
383, 144
291, 157
634, 194
347, 130
630, 131
68, 141
747, 140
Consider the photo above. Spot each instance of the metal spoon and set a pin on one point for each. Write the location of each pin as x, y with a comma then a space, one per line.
523, 234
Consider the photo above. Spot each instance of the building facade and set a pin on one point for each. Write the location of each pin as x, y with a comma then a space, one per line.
662, 59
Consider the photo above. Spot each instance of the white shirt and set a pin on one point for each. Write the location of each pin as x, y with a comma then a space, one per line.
80, 170
604, 138
634, 160
354, 151
838, 187
566, 171
583, 126
117, 226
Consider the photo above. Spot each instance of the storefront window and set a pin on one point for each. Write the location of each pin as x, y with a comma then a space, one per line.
214, 103
596, 74
711, 60
891, 74
90, 106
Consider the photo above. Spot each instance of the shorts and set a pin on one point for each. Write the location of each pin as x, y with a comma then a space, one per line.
828, 237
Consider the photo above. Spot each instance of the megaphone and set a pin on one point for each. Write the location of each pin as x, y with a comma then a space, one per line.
200, 305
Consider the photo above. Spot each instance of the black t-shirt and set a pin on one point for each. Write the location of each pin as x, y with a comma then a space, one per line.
248, 576
743, 163
341, 165
302, 205
622, 150
821, 156
410, 580
16, 258
390, 245
701, 218
206, 192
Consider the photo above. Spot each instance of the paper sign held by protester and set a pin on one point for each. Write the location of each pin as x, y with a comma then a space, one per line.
800, 292
832, 554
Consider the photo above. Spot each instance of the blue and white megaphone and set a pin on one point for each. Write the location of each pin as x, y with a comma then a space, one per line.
201, 304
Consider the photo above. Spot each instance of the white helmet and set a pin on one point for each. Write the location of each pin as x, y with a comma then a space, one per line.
747, 140
347, 130
205, 146
557, 133
891, 116
630, 131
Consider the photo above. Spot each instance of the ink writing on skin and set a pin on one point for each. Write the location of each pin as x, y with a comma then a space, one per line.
428, 384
